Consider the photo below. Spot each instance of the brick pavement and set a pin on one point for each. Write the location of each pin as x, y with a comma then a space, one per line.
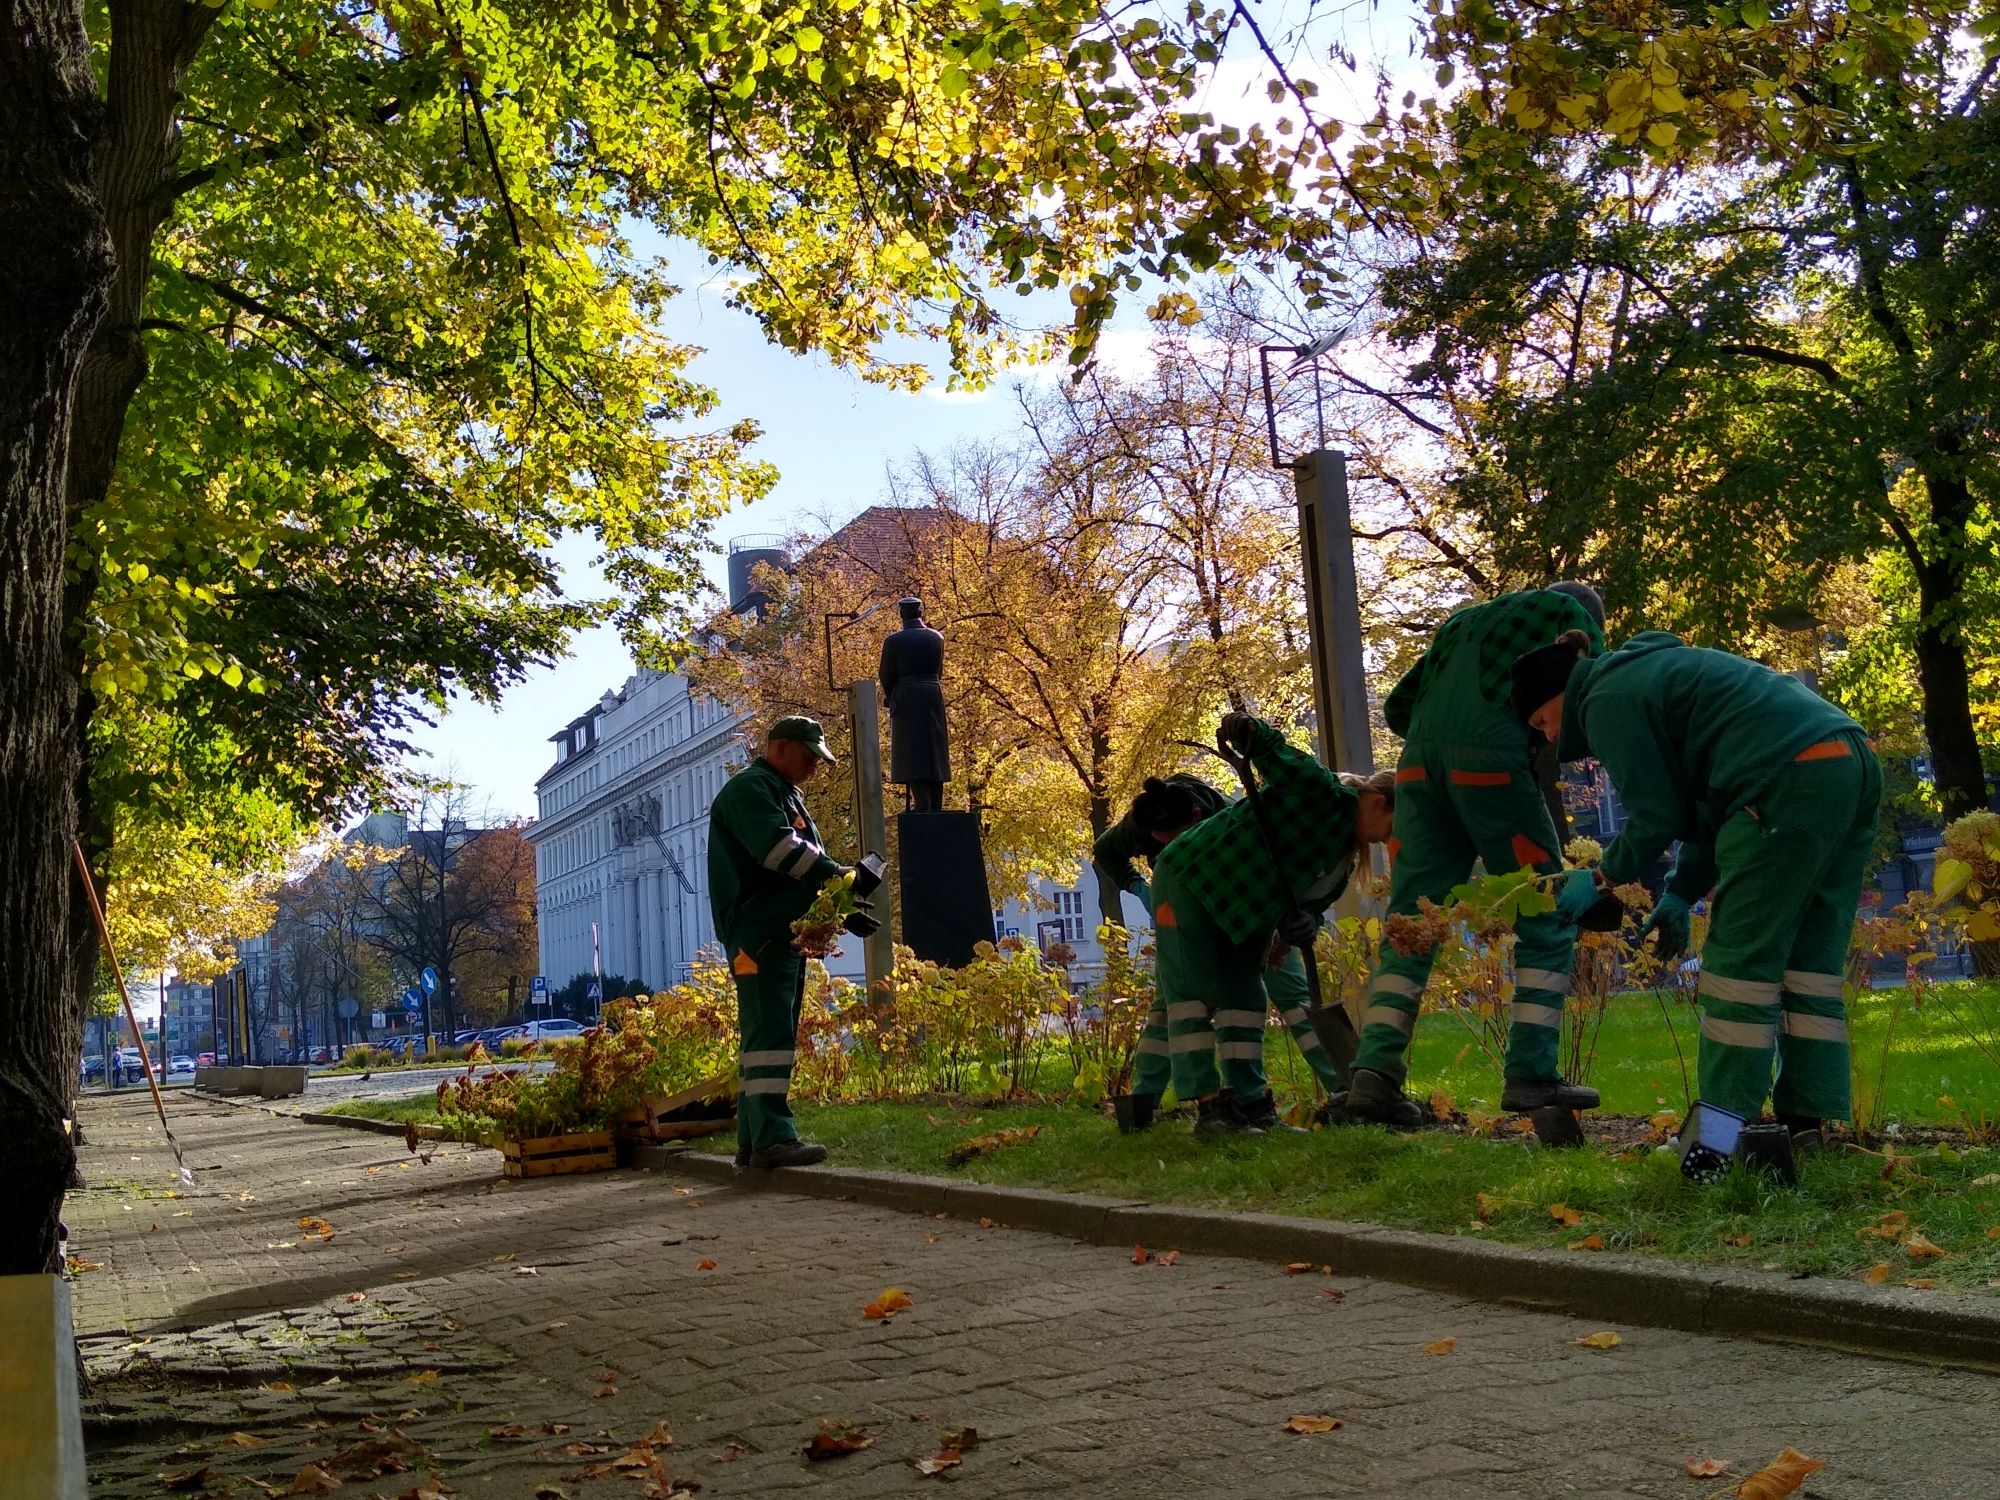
1085, 1374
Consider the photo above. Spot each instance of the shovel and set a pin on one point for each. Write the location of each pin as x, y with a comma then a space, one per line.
1330, 1023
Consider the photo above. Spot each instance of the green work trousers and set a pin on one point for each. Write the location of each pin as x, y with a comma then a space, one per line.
1773, 967
1457, 805
770, 977
1285, 990
1211, 995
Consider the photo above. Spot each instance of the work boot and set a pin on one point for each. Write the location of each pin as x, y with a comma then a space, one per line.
1263, 1113
1376, 1099
1221, 1115
787, 1154
1520, 1096
1808, 1133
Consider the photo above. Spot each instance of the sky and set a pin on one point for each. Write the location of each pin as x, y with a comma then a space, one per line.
832, 437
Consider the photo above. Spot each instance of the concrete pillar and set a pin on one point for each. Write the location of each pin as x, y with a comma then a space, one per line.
878, 953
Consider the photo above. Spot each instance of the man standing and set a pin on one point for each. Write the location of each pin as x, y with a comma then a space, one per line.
1774, 794
1467, 792
765, 865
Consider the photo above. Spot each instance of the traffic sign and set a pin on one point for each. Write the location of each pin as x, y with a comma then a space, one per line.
596, 991
413, 998
429, 980
348, 1009
538, 990
378, 1020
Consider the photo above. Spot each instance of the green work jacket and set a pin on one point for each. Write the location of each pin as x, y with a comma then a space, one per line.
1689, 737
765, 862
1460, 692
1223, 861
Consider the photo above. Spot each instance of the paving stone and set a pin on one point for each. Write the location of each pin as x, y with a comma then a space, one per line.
1087, 1376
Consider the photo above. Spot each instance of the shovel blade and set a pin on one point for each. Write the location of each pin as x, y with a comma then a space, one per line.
1337, 1037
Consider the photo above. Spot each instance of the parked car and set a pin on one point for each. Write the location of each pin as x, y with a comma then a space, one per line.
204, 1059
180, 1063
547, 1031
91, 1070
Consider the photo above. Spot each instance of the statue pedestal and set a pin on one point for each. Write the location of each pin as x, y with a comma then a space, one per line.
946, 908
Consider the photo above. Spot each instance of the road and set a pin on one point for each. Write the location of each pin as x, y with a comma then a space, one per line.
447, 1303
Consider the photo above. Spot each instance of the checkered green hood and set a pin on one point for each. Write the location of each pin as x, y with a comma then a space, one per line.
1222, 860
1459, 690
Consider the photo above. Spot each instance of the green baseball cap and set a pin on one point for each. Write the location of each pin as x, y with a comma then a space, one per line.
806, 731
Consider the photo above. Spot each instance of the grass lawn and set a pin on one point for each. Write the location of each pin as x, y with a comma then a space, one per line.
1842, 1220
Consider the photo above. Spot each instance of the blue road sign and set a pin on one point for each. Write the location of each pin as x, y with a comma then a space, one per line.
429, 980
413, 998
596, 991
539, 986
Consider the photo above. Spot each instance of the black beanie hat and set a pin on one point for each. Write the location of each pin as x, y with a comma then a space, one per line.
1164, 804
1544, 674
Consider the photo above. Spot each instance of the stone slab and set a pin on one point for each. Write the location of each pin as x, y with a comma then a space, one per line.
41, 1426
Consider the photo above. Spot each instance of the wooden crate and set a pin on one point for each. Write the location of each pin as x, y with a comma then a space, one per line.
555, 1155
706, 1109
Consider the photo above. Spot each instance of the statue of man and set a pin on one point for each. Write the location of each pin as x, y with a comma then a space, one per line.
919, 745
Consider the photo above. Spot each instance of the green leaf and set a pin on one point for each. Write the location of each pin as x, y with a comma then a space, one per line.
1950, 879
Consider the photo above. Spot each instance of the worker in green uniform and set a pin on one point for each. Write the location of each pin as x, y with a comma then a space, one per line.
1165, 808
1218, 901
765, 865
1774, 794
1467, 792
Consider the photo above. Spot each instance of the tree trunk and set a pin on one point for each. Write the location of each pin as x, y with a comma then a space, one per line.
1942, 671
53, 285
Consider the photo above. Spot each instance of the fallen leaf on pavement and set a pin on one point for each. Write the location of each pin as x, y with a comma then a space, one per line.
526, 1271
729, 1454
78, 1265
394, 1249
1606, 1340
312, 1225
1921, 1283
276, 1385
1779, 1477
422, 1377
313, 1480
243, 1440
357, 1296
1312, 1424
1588, 1242
949, 1458
1919, 1246
1297, 1267
932, 1239
606, 1390
892, 1301
508, 1256
989, 1223
979, 1145
511, 1430
659, 1437
1564, 1215
1171, 1258
315, 1424
1441, 1346
960, 1438
581, 1449
1140, 1255
1707, 1468
1332, 1293
704, 1265
388, 1454
186, 1479
1878, 1273
836, 1439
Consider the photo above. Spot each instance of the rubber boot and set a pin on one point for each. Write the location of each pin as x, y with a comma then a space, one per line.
1520, 1096
1374, 1097
1221, 1115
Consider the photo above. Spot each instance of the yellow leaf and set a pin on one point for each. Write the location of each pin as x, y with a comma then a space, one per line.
1877, 1273
1489, 1206
1564, 1215
1441, 1346
1662, 133
1778, 1478
1576, 107
243, 1440
1706, 1468
1589, 1242
422, 1377
1920, 1247
1312, 1424
1950, 877
891, 1302
1668, 100
1605, 1340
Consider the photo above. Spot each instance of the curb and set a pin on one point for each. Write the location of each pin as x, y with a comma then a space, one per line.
1900, 1324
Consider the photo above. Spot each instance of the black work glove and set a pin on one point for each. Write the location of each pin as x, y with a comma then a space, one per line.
868, 874
1234, 733
861, 925
1298, 929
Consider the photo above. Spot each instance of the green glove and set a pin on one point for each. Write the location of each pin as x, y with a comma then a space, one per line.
1672, 920
1576, 893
